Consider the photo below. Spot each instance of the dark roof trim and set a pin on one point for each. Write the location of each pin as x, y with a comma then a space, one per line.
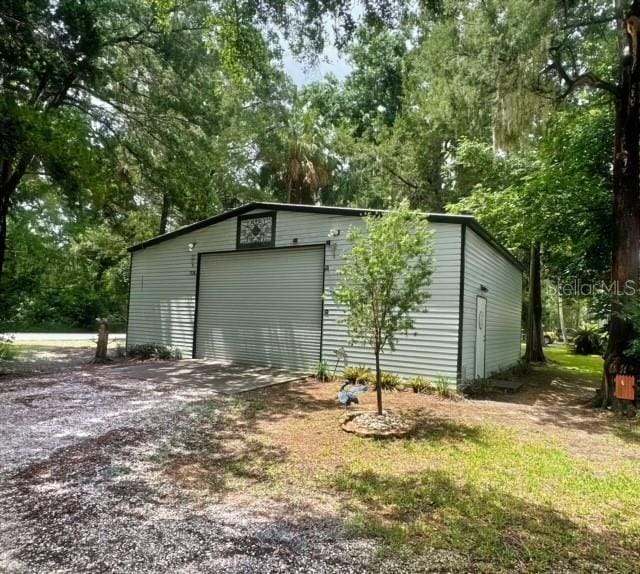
433, 217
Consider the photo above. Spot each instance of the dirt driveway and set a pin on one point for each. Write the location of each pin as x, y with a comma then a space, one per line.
80, 489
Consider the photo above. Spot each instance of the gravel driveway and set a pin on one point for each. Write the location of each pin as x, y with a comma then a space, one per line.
79, 491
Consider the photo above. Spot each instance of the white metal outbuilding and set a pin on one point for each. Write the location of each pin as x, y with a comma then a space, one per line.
247, 286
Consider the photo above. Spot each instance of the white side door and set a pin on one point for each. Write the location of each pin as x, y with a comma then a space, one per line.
481, 336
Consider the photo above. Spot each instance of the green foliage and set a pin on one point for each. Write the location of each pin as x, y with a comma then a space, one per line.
298, 166
154, 351
384, 278
587, 341
390, 382
558, 195
323, 372
633, 351
443, 388
8, 352
631, 312
421, 385
359, 375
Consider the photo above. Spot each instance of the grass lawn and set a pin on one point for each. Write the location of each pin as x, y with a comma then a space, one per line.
531, 482
562, 356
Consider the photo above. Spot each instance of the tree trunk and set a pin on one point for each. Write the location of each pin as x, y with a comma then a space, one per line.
626, 206
563, 330
103, 342
12, 172
378, 381
164, 214
4, 217
533, 352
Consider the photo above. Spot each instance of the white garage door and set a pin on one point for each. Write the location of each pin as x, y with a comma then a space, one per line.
261, 307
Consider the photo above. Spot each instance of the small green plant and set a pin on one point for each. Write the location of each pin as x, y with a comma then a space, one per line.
322, 372
588, 341
479, 388
8, 352
443, 389
390, 381
359, 375
421, 385
154, 351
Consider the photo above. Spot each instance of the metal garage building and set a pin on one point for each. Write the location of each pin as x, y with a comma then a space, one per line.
247, 286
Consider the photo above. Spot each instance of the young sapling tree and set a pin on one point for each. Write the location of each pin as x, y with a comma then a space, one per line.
384, 279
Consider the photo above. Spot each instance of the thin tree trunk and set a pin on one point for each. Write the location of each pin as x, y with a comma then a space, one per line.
164, 214
534, 352
4, 216
378, 381
563, 331
13, 170
626, 206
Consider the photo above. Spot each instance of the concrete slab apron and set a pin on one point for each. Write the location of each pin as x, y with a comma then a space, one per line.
224, 378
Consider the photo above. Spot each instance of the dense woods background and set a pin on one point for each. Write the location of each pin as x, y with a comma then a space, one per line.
124, 119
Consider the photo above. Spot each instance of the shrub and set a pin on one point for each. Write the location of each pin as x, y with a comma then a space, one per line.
359, 375
421, 385
443, 390
587, 341
8, 352
479, 388
390, 382
322, 372
154, 351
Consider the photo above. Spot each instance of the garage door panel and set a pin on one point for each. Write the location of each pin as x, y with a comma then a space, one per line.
261, 307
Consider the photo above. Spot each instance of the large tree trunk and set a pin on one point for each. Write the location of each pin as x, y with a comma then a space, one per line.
626, 206
534, 352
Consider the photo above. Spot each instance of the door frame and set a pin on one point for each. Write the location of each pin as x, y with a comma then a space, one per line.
475, 341
248, 250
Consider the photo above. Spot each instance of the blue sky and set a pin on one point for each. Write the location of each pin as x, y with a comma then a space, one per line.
330, 62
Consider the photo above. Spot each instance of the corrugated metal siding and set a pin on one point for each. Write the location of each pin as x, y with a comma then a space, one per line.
262, 307
163, 292
484, 266
431, 348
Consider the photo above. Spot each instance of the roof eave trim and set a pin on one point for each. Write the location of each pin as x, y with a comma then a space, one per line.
353, 211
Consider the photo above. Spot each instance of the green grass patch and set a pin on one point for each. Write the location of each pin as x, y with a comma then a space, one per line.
564, 356
494, 498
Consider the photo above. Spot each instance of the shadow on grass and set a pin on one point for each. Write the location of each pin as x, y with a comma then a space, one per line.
429, 426
223, 443
428, 510
558, 397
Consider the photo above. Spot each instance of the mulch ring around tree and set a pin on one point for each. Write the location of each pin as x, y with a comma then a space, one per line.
373, 425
